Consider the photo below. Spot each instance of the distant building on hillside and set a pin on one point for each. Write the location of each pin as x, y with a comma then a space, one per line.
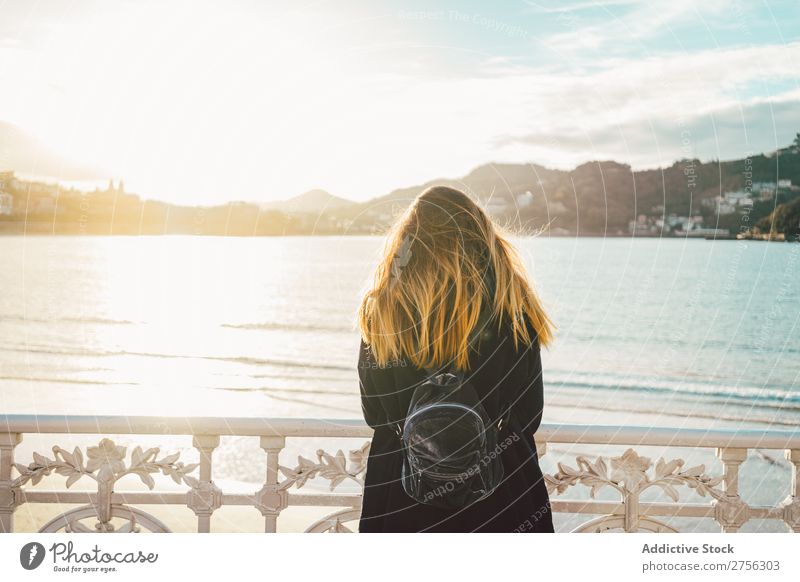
6, 181
729, 202
642, 226
524, 199
41, 205
674, 222
6, 199
119, 189
692, 226
739, 198
767, 190
496, 206
6, 204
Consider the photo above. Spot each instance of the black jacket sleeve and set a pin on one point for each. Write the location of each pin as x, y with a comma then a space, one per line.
374, 414
529, 404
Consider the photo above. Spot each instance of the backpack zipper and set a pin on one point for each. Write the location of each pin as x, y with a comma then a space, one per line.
450, 404
445, 476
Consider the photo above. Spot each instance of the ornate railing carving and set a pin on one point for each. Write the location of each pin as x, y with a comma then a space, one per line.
106, 464
331, 467
629, 474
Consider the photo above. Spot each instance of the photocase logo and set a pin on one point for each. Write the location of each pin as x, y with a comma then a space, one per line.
31, 555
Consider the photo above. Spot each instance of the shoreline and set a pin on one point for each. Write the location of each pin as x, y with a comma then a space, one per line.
41, 233
54, 398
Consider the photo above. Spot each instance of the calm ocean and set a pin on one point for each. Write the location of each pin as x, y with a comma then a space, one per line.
265, 326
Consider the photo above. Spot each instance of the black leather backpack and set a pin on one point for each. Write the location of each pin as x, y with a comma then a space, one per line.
451, 457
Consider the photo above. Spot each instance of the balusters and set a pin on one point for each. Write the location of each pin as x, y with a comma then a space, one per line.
791, 506
629, 474
271, 499
731, 512
7, 502
205, 498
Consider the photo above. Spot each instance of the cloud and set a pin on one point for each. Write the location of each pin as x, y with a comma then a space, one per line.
727, 133
561, 8
641, 105
644, 22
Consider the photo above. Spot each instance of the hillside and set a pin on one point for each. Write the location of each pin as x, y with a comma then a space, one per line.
311, 201
785, 219
601, 198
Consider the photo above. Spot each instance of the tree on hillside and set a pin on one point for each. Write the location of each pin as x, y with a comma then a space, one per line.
784, 219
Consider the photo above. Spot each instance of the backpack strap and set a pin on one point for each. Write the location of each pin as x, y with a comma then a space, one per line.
432, 372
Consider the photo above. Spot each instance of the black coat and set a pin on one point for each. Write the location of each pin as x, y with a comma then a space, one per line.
501, 375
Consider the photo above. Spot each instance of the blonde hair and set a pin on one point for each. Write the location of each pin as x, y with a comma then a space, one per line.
430, 286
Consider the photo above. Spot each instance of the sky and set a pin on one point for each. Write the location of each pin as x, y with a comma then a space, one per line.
205, 102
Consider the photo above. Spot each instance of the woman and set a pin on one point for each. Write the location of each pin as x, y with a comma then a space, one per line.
450, 290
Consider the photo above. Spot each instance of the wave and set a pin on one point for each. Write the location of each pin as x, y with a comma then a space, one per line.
306, 377
571, 386
312, 403
267, 389
738, 394
691, 412
67, 381
288, 363
690, 341
87, 320
248, 360
268, 325
279, 326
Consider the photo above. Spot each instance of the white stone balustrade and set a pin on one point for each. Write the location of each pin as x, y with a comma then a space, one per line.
629, 474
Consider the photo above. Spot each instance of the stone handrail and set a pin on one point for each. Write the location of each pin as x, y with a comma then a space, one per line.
629, 474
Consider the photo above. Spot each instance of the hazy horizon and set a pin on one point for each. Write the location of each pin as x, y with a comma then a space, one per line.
104, 183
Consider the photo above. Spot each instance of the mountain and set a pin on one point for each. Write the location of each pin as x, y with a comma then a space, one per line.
311, 202
604, 197
484, 181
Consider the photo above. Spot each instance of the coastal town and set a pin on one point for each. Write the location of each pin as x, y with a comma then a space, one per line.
757, 197
736, 204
